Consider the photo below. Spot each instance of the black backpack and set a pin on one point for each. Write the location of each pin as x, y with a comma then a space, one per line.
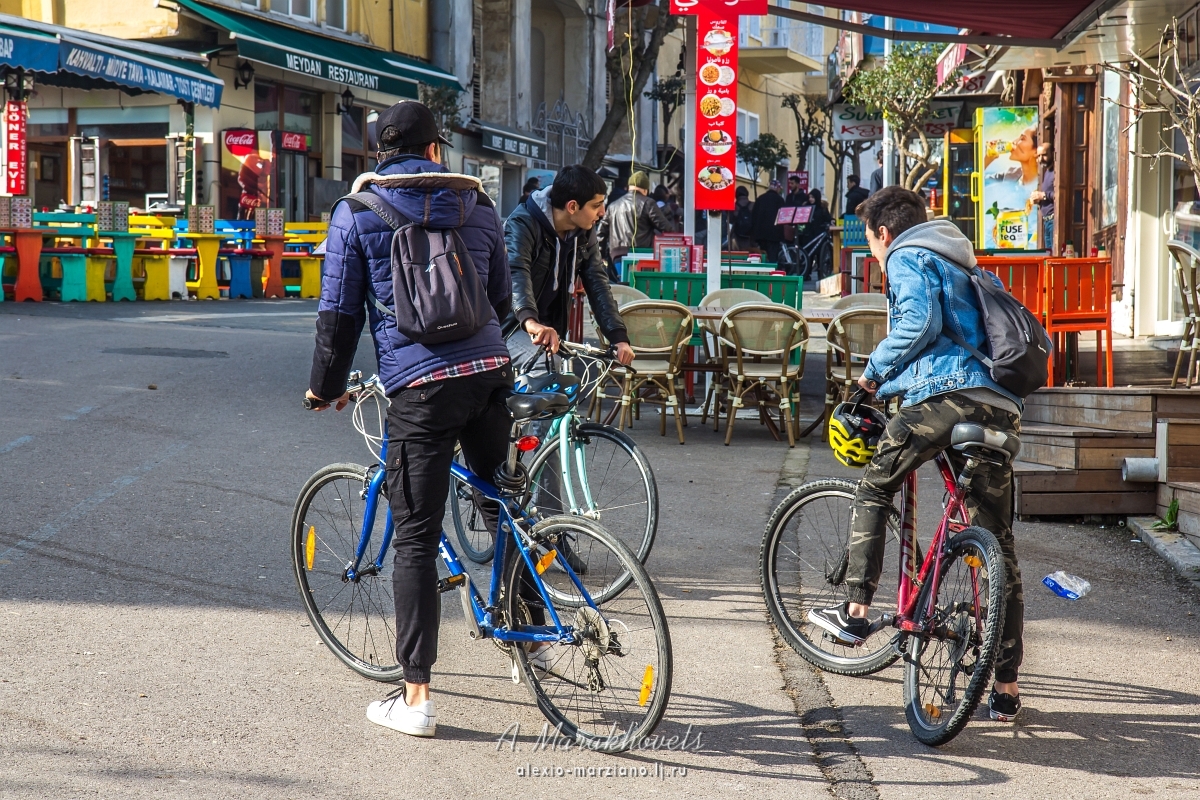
743, 221
438, 295
1019, 344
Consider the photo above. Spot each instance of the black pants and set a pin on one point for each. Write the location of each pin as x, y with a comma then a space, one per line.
424, 422
771, 251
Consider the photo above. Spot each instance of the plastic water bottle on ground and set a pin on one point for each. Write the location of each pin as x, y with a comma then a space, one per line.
1071, 587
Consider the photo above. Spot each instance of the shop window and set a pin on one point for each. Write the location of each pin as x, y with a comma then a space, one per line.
489, 176
335, 14
1109, 156
293, 8
266, 106
301, 114
747, 131
354, 143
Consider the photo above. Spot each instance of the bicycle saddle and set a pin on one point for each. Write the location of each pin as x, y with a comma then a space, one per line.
537, 405
971, 434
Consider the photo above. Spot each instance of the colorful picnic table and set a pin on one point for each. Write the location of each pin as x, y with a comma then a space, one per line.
123, 245
28, 243
207, 246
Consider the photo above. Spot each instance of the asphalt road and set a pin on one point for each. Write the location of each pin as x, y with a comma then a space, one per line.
152, 641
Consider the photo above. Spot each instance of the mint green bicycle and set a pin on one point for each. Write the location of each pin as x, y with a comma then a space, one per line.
585, 469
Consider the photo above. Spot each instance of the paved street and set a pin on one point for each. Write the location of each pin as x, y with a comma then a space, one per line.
153, 644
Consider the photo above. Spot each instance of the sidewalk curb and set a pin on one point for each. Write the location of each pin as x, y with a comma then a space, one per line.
1174, 548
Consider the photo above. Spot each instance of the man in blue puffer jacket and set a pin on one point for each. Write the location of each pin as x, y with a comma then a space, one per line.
440, 393
942, 384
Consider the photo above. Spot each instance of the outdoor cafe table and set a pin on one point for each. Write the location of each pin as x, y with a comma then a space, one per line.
28, 243
123, 244
208, 246
820, 316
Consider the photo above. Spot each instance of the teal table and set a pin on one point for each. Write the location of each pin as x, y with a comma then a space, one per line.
123, 245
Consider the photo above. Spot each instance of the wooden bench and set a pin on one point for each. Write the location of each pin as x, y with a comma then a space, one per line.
304, 237
82, 266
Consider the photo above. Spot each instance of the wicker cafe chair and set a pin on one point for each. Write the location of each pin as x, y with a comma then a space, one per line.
658, 331
624, 295
762, 342
710, 331
1187, 258
852, 337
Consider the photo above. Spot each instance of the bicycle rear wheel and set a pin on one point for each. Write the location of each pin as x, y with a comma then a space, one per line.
614, 473
803, 563
610, 688
476, 539
355, 619
948, 670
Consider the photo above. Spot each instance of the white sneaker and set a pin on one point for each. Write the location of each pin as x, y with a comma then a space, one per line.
395, 713
543, 658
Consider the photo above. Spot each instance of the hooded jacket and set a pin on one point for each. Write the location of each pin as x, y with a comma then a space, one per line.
928, 291
358, 264
766, 209
544, 268
632, 222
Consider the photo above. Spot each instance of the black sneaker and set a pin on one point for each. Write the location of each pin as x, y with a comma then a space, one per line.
1003, 707
836, 620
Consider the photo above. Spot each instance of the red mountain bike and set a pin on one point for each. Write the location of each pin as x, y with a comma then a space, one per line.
949, 602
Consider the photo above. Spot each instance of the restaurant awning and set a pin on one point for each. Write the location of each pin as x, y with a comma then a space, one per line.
1034, 19
72, 57
324, 57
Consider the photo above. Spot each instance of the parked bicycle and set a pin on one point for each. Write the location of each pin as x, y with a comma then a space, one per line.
585, 469
949, 606
599, 670
813, 260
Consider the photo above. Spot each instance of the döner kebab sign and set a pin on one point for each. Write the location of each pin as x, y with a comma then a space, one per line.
715, 131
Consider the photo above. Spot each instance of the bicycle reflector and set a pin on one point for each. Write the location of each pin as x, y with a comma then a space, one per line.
527, 443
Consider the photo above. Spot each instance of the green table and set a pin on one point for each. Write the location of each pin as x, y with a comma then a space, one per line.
123, 244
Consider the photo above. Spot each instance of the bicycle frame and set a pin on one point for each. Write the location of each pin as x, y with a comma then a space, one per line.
510, 531
913, 581
559, 436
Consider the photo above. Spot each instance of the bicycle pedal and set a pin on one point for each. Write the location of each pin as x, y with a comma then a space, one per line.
452, 582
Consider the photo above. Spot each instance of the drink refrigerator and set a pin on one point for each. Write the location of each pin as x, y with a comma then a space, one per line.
1006, 174
958, 164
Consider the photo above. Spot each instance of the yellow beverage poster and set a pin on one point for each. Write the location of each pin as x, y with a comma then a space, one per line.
1007, 140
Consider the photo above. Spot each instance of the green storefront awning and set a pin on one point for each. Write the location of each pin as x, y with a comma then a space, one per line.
322, 56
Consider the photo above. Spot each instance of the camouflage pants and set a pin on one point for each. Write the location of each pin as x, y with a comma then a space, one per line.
914, 436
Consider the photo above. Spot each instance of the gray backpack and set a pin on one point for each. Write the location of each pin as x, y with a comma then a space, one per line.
438, 295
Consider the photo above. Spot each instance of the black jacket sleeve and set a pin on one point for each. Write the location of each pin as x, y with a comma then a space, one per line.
520, 240
595, 285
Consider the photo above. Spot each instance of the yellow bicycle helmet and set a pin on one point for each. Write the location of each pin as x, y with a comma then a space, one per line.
854, 431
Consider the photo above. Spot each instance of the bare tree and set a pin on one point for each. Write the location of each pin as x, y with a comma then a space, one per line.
1161, 90
811, 111
640, 32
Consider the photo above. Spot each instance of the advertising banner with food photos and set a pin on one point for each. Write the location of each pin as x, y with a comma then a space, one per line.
716, 96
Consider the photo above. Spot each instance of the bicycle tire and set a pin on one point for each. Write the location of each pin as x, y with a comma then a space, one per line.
331, 550
925, 718
790, 616
478, 543
636, 529
581, 716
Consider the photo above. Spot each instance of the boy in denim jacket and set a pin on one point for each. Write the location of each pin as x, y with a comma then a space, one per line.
929, 291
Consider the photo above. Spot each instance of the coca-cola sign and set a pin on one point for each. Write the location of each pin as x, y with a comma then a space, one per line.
293, 141
241, 142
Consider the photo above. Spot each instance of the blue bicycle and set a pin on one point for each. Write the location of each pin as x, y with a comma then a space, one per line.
597, 660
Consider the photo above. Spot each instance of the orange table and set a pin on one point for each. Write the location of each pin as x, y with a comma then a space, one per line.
273, 267
28, 242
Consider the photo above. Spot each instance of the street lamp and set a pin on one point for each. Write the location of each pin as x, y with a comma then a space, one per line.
347, 103
244, 74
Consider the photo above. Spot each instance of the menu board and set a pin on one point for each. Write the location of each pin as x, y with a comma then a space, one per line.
113, 216
268, 222
715, 130
22, 212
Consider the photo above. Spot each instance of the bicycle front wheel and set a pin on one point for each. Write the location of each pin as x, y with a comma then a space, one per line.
948, 668
609, 688
354, 618
803, 563
608, 481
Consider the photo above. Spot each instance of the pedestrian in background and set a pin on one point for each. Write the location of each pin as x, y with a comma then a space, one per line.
855, 194
742, 221
766, 233
1044, 195
531, 186
634, 218
877, 175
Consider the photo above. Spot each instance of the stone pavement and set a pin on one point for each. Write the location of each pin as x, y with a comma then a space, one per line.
152, 643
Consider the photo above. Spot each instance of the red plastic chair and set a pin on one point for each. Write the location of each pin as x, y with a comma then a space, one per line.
1079, 299
1022, 276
